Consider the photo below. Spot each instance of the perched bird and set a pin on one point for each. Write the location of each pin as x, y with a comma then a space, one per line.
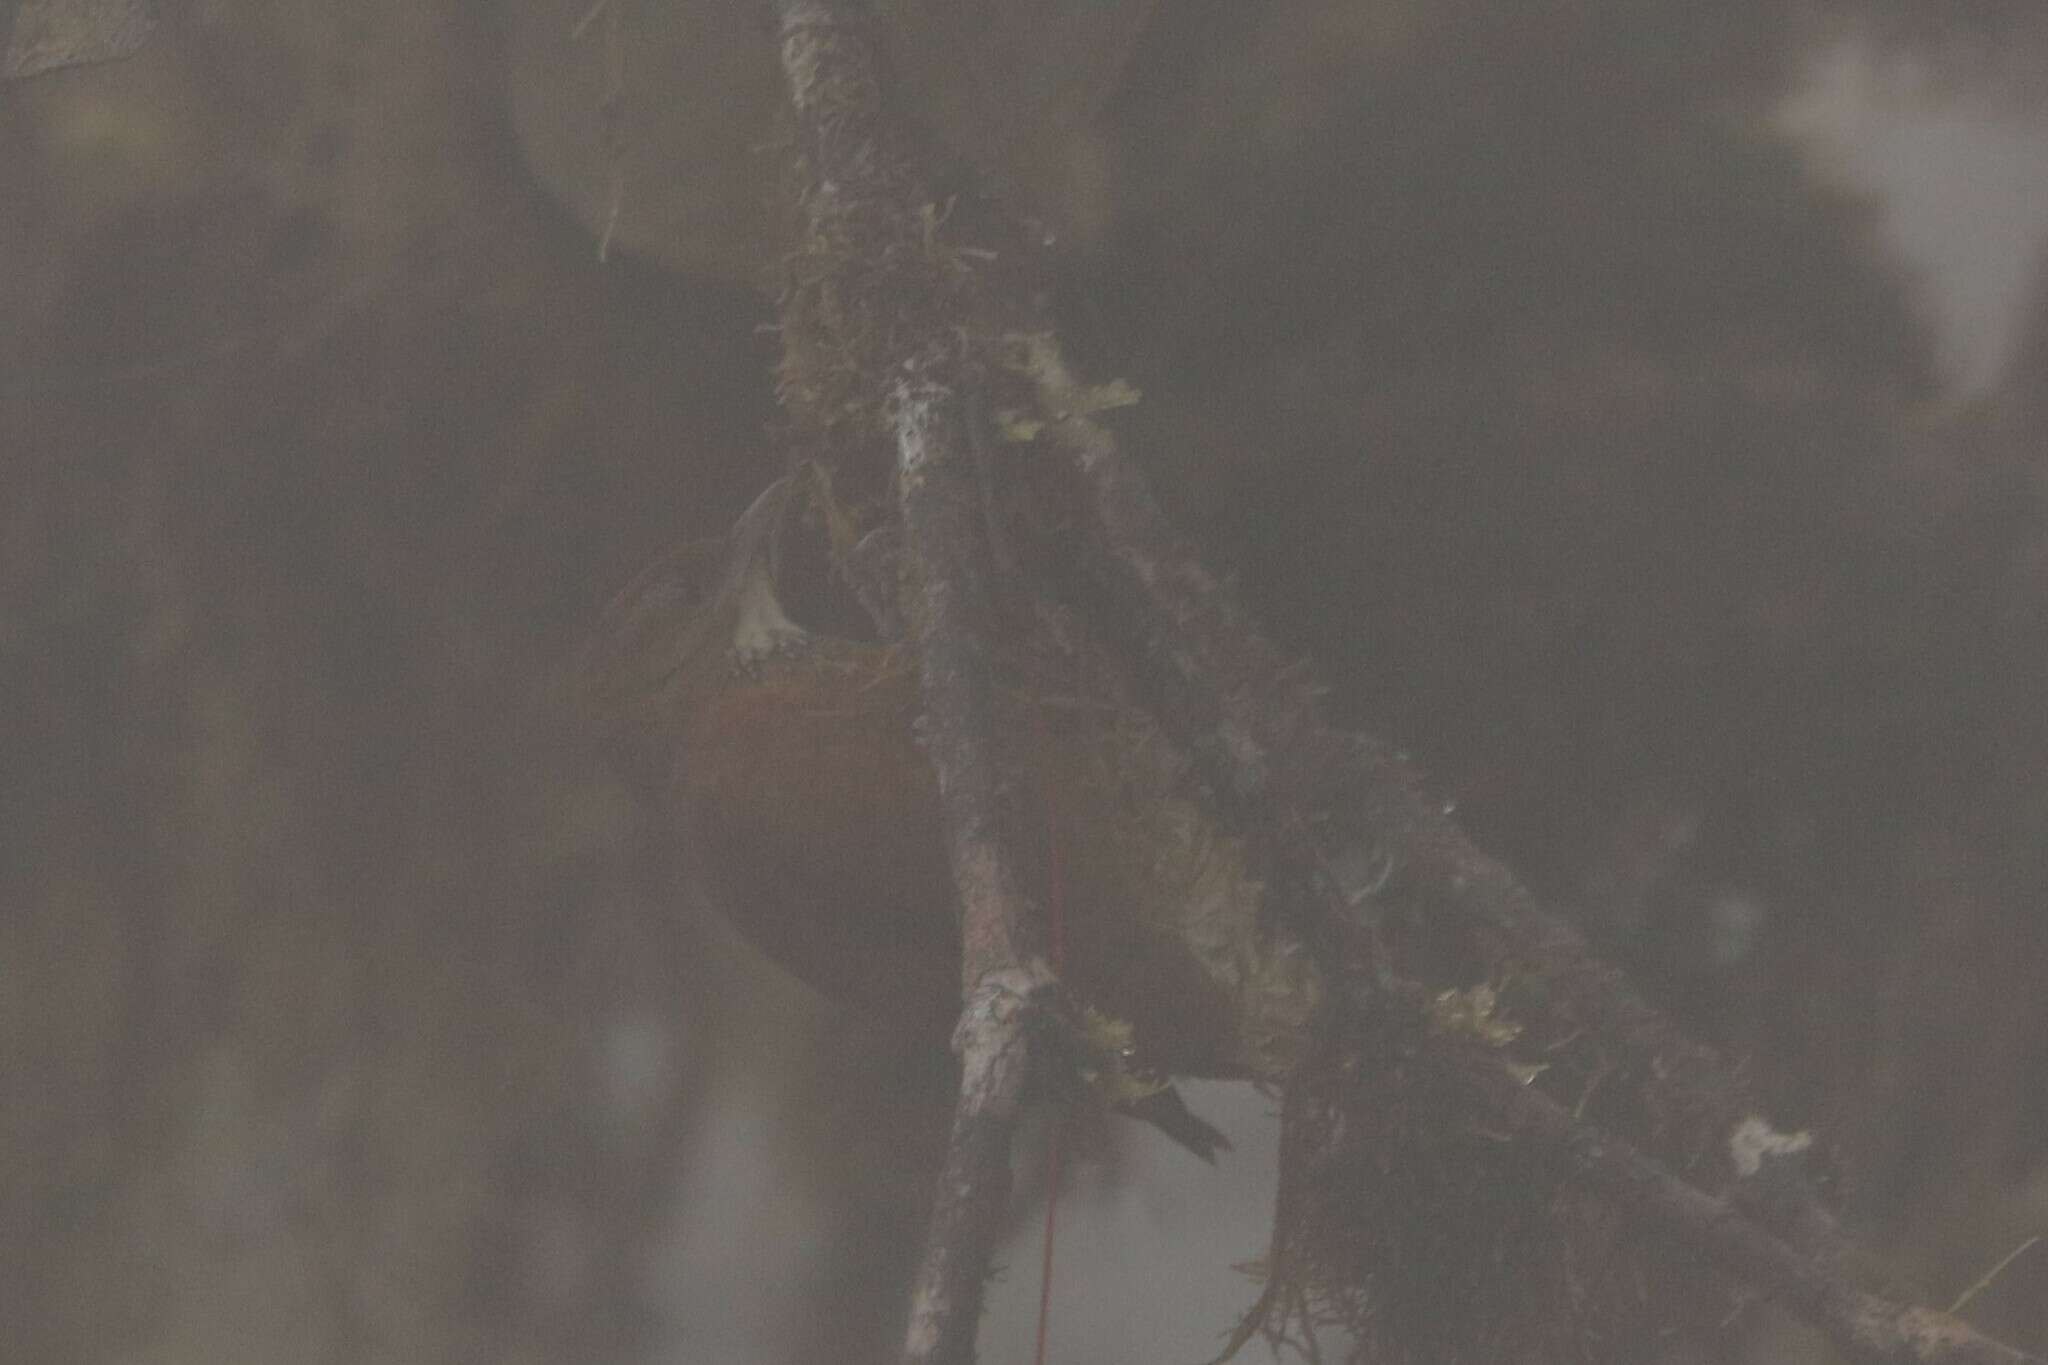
811, 819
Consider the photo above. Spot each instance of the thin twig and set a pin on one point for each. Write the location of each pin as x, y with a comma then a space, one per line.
611, 115
1985, 1281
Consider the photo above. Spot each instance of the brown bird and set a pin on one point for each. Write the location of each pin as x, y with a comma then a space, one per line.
812, 821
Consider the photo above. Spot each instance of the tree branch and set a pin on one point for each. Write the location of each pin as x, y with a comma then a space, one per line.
864, 189
1351, 815
1344, 818
1862, 1325
1002, 970
1255, 724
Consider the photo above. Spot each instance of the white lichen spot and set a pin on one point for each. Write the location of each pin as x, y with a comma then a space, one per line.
1755, 1141
1473, 1012
761, 627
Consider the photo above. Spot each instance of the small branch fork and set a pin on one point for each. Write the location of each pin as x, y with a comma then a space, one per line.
1337, 809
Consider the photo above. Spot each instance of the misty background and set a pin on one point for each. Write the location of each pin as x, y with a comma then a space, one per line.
1636, 410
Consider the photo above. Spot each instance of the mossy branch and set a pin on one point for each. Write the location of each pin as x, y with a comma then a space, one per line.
1354, 823
869, 310
880, 329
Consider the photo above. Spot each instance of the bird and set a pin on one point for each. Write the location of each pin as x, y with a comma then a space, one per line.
788, 760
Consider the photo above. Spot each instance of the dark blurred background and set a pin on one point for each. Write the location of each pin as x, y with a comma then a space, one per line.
1637, 410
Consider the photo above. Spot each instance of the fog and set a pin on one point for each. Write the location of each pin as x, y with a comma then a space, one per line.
1632, 411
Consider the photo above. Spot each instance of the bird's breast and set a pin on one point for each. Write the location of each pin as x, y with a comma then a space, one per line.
813, 823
